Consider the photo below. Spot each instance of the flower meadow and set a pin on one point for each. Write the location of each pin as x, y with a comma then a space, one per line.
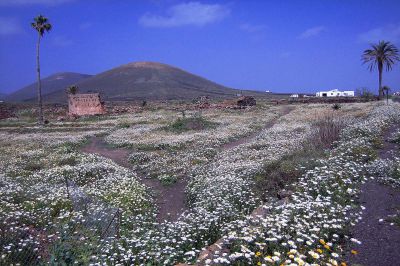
61, 206
312, 227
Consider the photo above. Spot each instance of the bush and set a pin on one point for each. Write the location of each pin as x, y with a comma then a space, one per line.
278, 174
167, 179
328, 128
124, 124
336, 106
190, 123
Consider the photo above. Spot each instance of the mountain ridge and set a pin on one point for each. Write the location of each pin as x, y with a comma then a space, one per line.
146, 80
50, 84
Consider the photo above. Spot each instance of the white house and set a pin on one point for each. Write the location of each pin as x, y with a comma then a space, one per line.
335, 93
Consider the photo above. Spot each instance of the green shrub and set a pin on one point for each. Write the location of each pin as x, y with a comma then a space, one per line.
278, 174
70, 160
167, 180
124, 124
33, 166
190, 123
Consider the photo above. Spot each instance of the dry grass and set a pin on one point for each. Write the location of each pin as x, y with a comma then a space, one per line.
328, 126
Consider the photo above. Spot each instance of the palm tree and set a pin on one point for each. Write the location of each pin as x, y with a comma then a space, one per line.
383, 54
72, 89
41, 25
386, 89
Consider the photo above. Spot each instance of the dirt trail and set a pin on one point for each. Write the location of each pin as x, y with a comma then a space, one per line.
169, 199
380, 240
230, 145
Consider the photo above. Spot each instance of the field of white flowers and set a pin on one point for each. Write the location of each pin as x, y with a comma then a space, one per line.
60, 205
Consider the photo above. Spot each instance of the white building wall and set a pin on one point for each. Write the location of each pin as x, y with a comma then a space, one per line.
335, 93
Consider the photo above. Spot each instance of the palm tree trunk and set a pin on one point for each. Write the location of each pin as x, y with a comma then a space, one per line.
380, 68
39, 87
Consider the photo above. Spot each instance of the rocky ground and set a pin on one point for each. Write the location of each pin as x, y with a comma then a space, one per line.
380, 238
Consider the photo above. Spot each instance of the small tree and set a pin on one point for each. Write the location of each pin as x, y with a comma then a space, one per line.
386, 90
41, 25
72, 89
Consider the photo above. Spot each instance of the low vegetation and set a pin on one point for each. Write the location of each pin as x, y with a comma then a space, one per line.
190, 123
54, 197
278, 175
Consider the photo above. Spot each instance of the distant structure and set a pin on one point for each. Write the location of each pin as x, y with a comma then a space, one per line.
239, 103
246, 101
203, 102
85, 104
300, 95
335, 93
397, 93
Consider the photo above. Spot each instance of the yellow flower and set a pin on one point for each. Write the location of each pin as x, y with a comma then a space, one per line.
327, 247
259, 263
319, 251
322, 242
354, 252
258, 254
343, 264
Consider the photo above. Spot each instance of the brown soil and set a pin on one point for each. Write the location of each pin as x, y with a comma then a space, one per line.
230, 145
380, 240
169, 199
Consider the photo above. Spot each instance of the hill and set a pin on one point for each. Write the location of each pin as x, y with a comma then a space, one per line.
2, 96
56, 82
148, 81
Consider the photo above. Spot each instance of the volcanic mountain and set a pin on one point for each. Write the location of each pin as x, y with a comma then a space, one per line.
144, 81
147, 81
57, 82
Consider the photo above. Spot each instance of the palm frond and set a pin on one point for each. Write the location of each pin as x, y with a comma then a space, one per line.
41, 25
384, 54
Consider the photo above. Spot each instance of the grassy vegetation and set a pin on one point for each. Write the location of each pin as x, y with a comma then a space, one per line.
395, 218
190, 123
278, 174
167, 179
36, 162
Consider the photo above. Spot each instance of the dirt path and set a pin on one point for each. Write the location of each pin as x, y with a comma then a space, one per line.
169, 199
230, 145
380, 240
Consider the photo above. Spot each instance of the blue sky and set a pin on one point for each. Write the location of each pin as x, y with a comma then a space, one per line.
282, 46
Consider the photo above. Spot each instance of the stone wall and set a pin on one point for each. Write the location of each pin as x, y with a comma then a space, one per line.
85, 104
6, 111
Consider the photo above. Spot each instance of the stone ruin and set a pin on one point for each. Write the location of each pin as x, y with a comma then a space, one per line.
246, 101
6, 111
239, 103
85, 104
203, 102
